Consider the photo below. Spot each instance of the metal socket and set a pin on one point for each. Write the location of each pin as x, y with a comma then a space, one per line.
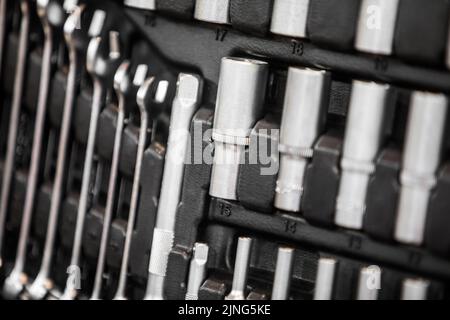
141, 4
214, 11
369, 283
303, 118
241, 269
421, 158
415, 289
363, 135
325, 279
289, 18
283, 274
240, 102
376, 26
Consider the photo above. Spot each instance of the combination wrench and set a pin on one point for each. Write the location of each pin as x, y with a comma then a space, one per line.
76, 40
8, 169
126, 90
187, 99
150, 93
42, 282
102, 71
52, 17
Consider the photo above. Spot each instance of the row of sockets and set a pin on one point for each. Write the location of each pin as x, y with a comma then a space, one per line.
367, 285
381, 27
240, 104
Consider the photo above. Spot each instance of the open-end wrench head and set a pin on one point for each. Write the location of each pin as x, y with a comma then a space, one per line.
101, 66
127, 82
73, 33
51, 12
73, 21
144, 94
80, 24
152, 96
122, 78
140, 75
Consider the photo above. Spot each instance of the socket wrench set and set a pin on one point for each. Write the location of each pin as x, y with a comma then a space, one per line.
225, 149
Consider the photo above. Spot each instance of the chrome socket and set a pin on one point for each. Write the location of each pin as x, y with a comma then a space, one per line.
240, 99
304, 113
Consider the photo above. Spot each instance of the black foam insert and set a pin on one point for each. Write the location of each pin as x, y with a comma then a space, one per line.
382, 195
251, 16
437, 237
421, 31
332, 23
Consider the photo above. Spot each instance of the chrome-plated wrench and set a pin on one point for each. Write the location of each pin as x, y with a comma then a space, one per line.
42, 282
124, 88
2, 30
146, 92
52, 16
187, 99
8, 169
102, 71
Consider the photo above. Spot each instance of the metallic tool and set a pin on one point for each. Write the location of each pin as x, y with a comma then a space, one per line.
151, 92
2, 30
126, 89
369, 283
304, 112
141, 4
421, 159
415, 289
102, 70
15, 282
241, 267
214, 11
283, 274
8, 168
289, 18
325, 279
376, 26
362, 141
240, 102
188, 97
197, 270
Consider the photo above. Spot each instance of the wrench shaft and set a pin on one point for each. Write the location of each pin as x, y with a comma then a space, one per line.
8, 169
